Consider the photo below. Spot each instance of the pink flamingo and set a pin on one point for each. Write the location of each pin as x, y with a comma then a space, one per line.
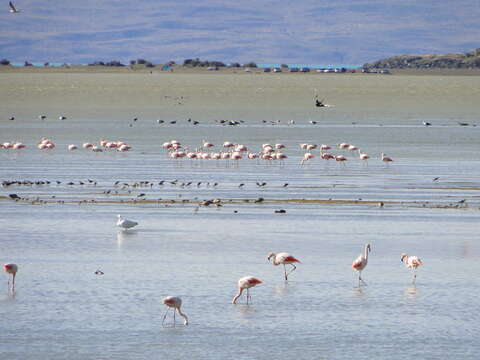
343, 146
207, 144
352, 148
284, 259
228, 144
174, 302
341, 158
72, 147
279, 146
363, 156
246, 282
19, 145
360, 263
327, 156
411, 262
87, 145
12, 270
386, 159
307, 156
324, 147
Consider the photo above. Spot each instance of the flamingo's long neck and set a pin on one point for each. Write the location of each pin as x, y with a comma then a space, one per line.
366, 252
182, 315
234, 300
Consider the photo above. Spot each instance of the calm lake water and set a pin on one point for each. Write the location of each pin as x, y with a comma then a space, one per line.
61, 309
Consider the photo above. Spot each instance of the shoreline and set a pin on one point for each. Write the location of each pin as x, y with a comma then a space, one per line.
203, 70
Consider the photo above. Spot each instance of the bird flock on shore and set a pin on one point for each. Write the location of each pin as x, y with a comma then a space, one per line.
245, 283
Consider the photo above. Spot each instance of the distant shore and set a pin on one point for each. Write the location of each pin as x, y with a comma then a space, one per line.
226, 70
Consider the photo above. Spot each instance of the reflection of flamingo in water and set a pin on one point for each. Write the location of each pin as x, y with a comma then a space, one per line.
360, 263
245, 283
176, 304
411, 262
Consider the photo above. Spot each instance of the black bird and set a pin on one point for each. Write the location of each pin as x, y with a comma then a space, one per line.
196, 123
281, 211
160, 121
285, 185
241, 185
12, 118
435, 179
135, 119
173, 122
161, 182
319, 103
426, 123
259, 200
14, 196
99, 272
141, 195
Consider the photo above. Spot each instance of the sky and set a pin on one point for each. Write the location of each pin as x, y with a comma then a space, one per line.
284, 31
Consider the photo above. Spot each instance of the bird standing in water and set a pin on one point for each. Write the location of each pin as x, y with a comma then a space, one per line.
245, 283
175, 303
125, 223
360, 263
411, 262
284, 259
12, 270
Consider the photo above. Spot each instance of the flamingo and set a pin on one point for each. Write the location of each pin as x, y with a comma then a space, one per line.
307, 156
360, 262
125, 223
245, 283
12, 269
363, 156
13, 9
285, 259
72, 147
386, 159
341, 158
411, 262
175, 303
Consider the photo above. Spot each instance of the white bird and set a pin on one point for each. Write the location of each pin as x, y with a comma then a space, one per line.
176, 304
412, 262
285, 259
360, 263
13, 9
245, 283
125, 223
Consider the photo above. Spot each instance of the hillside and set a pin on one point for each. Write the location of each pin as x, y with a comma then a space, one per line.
469, 60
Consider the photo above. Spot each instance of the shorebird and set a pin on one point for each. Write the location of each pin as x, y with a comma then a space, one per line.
411, 262
175, 303
245, 283
12, 270
360, 262
13, 9
285, 259
125, 223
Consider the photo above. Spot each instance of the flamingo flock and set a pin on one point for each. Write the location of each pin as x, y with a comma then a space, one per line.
47, 144
268, 152
247, 282
230, 151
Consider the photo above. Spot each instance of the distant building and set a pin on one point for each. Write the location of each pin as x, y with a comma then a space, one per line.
294, 69
267, 70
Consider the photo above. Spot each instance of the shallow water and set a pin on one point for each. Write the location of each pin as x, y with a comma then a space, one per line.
62, 310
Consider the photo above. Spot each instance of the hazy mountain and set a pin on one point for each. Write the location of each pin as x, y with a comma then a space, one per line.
303, 31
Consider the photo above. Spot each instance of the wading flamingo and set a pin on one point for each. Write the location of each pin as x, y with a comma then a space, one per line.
285, 259
411, 262
360, 262
12, 270
245, 283
176, 304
